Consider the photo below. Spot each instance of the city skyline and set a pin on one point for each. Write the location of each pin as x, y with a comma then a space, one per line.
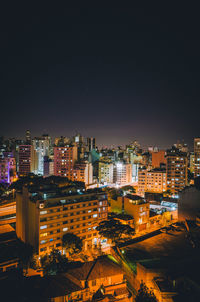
101, 145
115, 74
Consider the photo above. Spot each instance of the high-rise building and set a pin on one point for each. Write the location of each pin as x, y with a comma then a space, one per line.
64, 160
42, 147
7, 168
28, 137
196, 157
91, 143
191, 162
135, 171
154, 181
83, 171
105, 172
26, 159
158, 158
122, 173
177, 164
48, 166
43, 221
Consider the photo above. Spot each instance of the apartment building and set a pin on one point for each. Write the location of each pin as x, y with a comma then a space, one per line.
138, 208
42, 220
105, 172
64, 160
27, 159
7, 169
158, 158
122, 173
154, 181
83, 171
177, 165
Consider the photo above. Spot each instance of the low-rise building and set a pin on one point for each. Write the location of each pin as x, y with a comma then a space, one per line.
102, 279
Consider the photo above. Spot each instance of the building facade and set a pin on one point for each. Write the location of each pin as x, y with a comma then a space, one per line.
105, 172
7, 169
26, 159
41, 146
43, 222
152, 181
177, 165
122, 173
64, 160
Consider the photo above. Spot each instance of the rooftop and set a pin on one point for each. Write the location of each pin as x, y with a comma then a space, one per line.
99, 268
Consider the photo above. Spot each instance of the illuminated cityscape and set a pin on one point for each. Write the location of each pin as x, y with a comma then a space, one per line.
100, 153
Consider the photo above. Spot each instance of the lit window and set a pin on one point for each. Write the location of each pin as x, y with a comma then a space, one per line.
43, 212
65, 229
95, 215
44, 234
43, 227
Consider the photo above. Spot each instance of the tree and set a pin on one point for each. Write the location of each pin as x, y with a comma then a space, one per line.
145, 295
2, 189
72, 243
54, 262
113, 229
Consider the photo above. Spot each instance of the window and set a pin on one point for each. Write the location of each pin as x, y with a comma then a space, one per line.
65, 229
43, 235
43, 219
95, 215
43, 212
43, 227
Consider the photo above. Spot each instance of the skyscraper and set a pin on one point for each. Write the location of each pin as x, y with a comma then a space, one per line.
196, 157
91, 143
64, 160
28, 137
42, 147
26, 159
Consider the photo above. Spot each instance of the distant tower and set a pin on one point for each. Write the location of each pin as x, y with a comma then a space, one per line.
91, 143
28, 137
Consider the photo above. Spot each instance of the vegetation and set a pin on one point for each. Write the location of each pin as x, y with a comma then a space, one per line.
72, 243
2, 189
113, 193
114, 230
54, 263
145, 295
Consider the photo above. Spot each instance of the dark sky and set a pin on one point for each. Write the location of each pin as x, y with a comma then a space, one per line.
117, 73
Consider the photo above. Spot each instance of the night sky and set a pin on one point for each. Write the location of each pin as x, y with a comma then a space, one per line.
117, 73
